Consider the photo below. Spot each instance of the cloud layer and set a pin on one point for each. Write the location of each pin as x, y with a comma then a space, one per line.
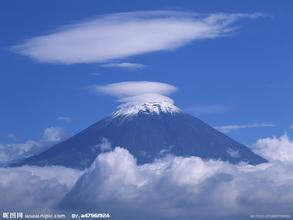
34, 188
116, 36
169, 188
181, 187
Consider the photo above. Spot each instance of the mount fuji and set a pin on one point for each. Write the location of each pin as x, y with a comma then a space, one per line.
148, 130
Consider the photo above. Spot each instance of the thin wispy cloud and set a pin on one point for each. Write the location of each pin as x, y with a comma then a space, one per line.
15, 151
208, 109
127, 66
64, 118
115, 36
231, 128
12, 136
281, 85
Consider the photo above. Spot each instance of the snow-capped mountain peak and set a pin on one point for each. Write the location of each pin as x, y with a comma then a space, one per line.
131, 109
148, 126
149, 103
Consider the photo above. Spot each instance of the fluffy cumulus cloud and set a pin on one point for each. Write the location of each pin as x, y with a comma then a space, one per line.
54, 134
34, 188
168, 188
104, 145
17, 151
116, 36
181, 187
275, 148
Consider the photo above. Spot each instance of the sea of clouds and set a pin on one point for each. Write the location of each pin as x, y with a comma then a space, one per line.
169, 188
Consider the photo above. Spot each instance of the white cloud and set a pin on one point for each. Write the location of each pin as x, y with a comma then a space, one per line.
115, 36
169, 188
275, 148
134, 88
64, 118
104, 145
207, 109
12, 152
128, 66
134, 93
182, 187
34, 188
231, 128
148, 97
12, 136
54, 134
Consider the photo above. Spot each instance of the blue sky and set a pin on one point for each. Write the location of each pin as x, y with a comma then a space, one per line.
244, 78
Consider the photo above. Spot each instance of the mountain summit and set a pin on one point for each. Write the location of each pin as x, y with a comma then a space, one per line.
148, 130
133, 109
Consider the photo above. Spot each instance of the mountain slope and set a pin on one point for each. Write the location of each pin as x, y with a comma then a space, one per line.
150, 131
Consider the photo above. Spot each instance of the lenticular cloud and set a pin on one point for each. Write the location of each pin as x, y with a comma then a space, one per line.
169, 188
110, 37
137, 92
134, 88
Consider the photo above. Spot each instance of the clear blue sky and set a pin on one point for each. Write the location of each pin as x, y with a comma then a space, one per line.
241, 79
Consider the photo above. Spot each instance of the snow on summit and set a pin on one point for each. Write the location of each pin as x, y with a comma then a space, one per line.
130, 109
147, 104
